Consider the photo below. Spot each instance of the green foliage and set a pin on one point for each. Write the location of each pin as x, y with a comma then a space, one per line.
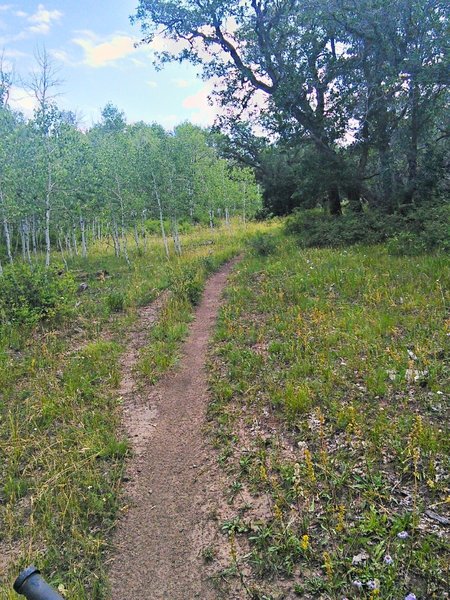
62, 451
116, 301
406, 243
419, 230
29, 294
330, 388
188, 284
263, 244
370, 127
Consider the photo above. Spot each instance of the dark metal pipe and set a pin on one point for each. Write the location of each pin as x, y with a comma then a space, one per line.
31, 585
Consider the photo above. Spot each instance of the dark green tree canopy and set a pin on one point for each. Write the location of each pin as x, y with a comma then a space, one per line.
362, 83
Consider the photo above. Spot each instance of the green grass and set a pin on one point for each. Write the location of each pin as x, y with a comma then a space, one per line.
330, 399
61, 451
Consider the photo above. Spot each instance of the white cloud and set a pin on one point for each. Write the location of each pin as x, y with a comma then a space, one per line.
43, 19
152, 84
139, 63
202, 112
11, 53
63, 57
21, 100
169, 121
181, 83
39, 23
100, 54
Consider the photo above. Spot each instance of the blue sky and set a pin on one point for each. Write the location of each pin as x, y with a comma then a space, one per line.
92, 44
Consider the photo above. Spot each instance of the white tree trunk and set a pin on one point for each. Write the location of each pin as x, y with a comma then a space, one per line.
161, 217
136, 235
68, 245
144, 231
116, 241
74, 239
27, 240
47, 230
6, 232
60, 246
34, 234
83, 237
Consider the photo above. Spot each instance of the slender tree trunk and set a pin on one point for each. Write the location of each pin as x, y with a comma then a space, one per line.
48, 196
22, 240
83, 237
176, 238
144, 231
34, 234
161, 217
74, 239
60, 246
116, 241
6, 230
334, 201
17, 239
413, 144
68, 245
7, 239
227, 216
27, 239
124, 237
136, 235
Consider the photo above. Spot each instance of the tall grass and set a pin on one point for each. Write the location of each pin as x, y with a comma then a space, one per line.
330, 377
61, 451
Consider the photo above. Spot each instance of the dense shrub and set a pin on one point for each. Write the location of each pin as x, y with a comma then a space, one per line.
29, 294
420, 230
263, 244
116, 301
188, 284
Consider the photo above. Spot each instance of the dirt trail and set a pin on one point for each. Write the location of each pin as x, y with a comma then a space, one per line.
157, 542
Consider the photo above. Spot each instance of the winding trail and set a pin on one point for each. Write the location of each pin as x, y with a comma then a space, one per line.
172, 474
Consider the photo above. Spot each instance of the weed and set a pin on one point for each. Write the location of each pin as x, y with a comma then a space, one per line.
339, 398
116, 301
61, 451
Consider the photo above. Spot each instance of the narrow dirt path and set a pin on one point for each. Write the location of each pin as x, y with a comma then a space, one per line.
157, 543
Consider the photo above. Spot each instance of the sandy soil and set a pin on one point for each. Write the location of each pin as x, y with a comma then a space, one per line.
173, 473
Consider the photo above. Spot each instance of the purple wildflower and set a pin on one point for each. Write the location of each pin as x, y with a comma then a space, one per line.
371, 584
388, 559
358, 584
410, 596
403, 535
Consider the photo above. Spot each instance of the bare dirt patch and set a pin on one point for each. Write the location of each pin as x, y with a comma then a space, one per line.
173, 474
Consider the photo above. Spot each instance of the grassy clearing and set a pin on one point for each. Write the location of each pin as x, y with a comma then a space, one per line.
330, 382
61, 456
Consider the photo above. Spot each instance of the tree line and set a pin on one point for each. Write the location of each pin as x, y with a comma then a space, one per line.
62, 188
350, 97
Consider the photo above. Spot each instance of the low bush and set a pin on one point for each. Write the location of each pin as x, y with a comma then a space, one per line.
419, 230
116, 301
263, 244
188, 284
29, 294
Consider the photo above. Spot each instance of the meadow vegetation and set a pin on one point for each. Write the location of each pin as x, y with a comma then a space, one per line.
61, 447
329, 375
